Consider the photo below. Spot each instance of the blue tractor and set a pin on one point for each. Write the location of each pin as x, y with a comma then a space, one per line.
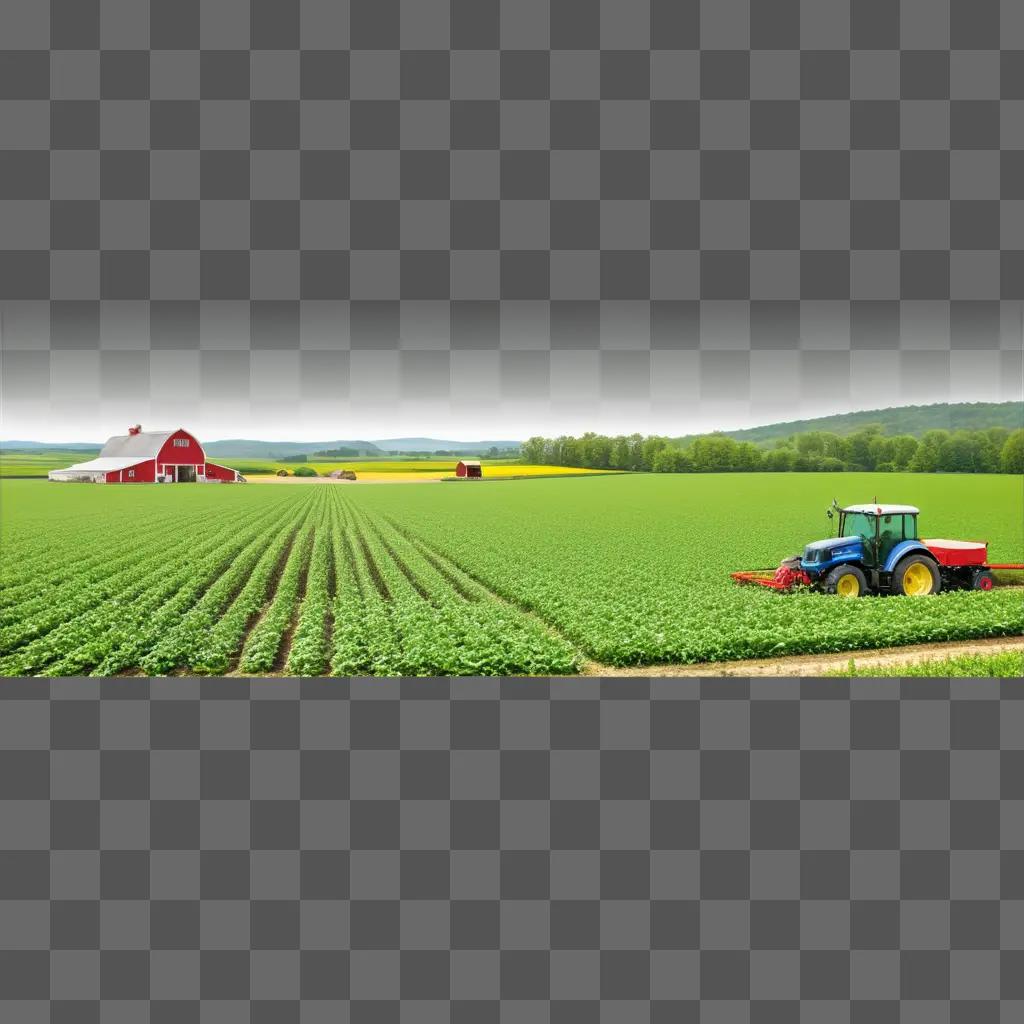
878, 551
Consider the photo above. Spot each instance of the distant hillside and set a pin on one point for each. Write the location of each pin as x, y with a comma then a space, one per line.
243, 449
907, 419
433, 444
240, 448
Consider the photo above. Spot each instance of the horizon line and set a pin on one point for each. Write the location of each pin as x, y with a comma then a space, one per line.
379, 440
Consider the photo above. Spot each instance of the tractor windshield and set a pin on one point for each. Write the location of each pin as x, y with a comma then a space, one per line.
857, 524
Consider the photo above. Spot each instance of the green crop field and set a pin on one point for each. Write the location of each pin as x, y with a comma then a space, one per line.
38, 464
532, 577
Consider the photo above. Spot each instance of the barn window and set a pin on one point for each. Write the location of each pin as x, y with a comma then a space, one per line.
181, 442
131, 472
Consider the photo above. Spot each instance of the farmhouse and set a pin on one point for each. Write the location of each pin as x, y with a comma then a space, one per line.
146, 457
469, 468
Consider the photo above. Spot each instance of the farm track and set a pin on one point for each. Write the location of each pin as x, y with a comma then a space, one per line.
817, 664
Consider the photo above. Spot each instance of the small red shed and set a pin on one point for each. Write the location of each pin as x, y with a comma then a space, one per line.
469, 468
164, 456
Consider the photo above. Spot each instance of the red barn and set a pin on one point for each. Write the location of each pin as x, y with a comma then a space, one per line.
146, 457
468, 468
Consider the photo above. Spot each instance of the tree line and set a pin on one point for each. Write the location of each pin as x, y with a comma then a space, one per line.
995, 450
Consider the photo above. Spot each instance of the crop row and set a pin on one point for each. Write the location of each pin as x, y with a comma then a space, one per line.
417, 622
113, 628
306, 585
215, 650
39, 619
307, 654
264, 642
59, 573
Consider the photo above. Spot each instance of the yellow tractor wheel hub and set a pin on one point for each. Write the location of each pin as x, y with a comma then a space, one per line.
917, 580
848, 586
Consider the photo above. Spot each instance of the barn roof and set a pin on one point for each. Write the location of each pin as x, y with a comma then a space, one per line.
104, 464
144, 445
470, 462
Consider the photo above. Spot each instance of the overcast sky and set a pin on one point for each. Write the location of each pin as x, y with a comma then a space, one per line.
91, 420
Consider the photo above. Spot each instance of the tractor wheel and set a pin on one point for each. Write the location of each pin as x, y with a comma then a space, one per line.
846, 581
916, 576
983, 580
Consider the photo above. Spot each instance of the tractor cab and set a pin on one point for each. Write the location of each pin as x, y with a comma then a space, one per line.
868, 535
879, 528
872, 539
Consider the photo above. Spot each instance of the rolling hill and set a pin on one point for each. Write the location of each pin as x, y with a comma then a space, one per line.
906, 419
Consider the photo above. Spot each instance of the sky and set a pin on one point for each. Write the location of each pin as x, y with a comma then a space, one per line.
51, 422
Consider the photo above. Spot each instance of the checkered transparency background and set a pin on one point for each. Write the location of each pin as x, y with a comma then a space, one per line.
479, 851
546, 212
272, 212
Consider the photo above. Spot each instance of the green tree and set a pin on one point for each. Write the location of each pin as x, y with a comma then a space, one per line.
778, 460
959, 454
860, 446
714, 453
665, 461
997, 436
601, 452
903, 447
1011, 458
747, 457
636, 451
835, 447
988, 452
533, 451
569, 451
672, 460
649, 450
879, 450
620, 457
811, 443
926, 458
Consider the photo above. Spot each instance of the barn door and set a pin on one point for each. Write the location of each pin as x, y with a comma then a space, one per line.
186, 474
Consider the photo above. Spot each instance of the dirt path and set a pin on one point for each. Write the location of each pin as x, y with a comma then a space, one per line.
818, 664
